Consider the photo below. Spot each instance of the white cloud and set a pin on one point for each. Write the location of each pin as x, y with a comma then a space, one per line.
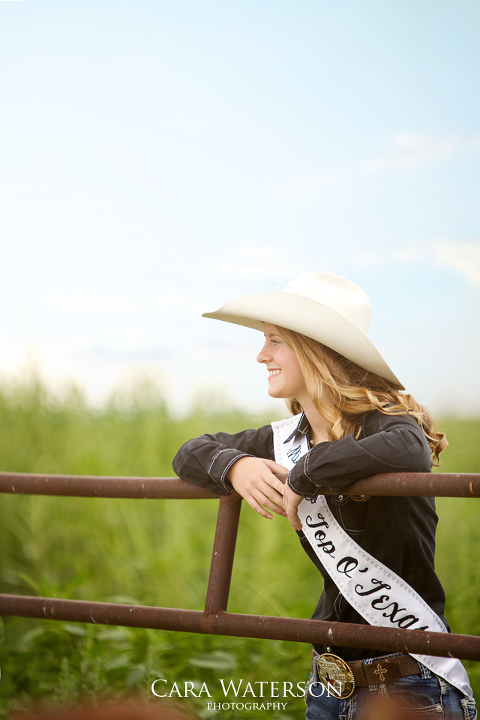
407, 150
254, 263
458, 255
410, 253
91, 302
367, 259
255, 253
461, 256
253, 270
307, 183
411, 150
172, 299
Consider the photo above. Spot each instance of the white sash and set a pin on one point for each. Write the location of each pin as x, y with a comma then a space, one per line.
379, 595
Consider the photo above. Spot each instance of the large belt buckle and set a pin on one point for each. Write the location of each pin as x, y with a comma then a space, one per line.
335, 676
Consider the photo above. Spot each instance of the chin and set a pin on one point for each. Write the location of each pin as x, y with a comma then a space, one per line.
277, 395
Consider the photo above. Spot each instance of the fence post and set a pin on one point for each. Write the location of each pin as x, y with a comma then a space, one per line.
223, 554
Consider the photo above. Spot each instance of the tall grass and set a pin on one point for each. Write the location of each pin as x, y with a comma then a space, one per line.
158, 553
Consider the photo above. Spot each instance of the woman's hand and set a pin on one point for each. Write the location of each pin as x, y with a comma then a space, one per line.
291, 501
260, 482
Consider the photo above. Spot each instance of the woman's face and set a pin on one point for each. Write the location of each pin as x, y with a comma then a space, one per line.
285, 378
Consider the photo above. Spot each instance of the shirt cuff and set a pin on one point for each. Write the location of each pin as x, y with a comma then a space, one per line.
221, 463
299, 481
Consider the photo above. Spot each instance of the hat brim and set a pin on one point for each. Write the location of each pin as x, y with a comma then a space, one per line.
310, 318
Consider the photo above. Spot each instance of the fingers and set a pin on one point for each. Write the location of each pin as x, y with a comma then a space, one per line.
279, 471
260, 508
261, 482
254, 480
273, 502
293, 519
291, 501
276, 486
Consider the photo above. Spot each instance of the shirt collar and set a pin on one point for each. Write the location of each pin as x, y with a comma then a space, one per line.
302, 427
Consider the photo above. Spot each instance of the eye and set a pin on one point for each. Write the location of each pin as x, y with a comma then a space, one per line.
276, 342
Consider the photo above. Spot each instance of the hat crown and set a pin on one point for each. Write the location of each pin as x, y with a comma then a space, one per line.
335, 292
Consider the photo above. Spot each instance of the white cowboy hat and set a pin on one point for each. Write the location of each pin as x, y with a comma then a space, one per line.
320, 305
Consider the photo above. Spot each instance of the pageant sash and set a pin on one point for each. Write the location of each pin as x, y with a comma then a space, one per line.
380, 596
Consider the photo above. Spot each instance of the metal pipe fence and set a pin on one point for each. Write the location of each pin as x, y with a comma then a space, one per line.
215, 619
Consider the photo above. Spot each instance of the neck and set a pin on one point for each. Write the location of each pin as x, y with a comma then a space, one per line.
316, 420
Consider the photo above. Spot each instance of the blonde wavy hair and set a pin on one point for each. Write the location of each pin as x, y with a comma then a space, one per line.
352, 391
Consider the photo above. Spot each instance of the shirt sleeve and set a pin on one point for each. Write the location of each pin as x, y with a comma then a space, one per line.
391, 443
206, 460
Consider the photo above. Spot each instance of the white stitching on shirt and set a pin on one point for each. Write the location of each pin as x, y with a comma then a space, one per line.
215, 457
222, 478
305, 470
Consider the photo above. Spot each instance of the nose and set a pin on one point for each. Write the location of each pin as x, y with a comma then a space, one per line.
264, 355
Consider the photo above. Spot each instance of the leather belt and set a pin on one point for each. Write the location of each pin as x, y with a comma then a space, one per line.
380, 670
383, 670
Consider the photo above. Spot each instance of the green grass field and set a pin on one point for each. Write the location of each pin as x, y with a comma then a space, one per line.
134, 551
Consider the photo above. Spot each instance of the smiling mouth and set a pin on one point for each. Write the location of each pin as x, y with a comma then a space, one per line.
273, 373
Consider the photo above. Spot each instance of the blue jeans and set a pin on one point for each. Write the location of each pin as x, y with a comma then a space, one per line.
415, 696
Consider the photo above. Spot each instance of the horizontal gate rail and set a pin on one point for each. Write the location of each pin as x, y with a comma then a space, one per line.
420, 642
154, 488
215, 619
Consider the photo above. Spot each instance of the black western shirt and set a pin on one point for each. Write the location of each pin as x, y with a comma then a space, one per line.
397, 531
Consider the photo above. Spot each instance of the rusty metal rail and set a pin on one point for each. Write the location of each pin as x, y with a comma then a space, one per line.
215, 619
399, 484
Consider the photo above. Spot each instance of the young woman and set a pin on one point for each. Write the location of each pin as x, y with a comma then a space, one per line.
349, 421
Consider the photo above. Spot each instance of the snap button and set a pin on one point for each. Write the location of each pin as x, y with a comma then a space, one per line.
340, 497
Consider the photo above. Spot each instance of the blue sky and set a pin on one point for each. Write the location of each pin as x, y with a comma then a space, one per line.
160, 158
